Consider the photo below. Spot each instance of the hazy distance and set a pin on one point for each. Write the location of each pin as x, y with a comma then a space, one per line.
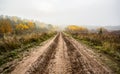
65, 12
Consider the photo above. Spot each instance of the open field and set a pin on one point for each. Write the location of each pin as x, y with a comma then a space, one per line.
61, 55
107, 46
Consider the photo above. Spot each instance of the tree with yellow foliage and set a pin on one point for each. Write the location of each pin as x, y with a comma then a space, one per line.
76, 29
30, 25
21, 27
5, 26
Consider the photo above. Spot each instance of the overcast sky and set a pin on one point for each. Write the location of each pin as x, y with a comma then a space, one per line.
65, 12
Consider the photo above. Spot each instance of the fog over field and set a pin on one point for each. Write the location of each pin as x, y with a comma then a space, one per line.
65, 12
59, 36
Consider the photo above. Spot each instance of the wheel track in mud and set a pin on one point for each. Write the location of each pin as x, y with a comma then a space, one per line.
40, 65
76, 64
82, 62
53, 61
65, 56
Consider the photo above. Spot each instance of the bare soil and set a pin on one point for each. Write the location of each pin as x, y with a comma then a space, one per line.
62, 55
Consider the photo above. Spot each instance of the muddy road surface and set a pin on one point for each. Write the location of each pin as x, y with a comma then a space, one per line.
61, 55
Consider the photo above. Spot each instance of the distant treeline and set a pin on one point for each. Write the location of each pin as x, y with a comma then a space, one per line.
14, 25
80, 29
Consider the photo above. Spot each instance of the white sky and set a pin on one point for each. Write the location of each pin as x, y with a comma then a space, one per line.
65, 12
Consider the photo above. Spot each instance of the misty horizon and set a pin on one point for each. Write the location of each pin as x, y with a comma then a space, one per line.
63, 13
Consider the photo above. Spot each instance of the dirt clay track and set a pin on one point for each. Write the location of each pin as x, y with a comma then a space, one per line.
61, 55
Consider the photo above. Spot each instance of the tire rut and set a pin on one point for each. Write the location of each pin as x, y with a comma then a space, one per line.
60, 64
65, 56
40, 65
75, 59
81, 62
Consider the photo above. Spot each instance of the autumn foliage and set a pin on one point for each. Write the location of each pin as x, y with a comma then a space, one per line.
76, 29
21, 27
101, 40
14, 25
17, 35
5, 26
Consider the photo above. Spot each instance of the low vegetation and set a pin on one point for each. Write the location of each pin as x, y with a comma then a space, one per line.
18, 35
12, 46
107, 43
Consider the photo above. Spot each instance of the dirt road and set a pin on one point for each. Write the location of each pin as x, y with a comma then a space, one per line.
61, 55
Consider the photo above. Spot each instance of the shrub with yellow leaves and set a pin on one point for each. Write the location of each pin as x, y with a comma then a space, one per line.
21, 27
76, 29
